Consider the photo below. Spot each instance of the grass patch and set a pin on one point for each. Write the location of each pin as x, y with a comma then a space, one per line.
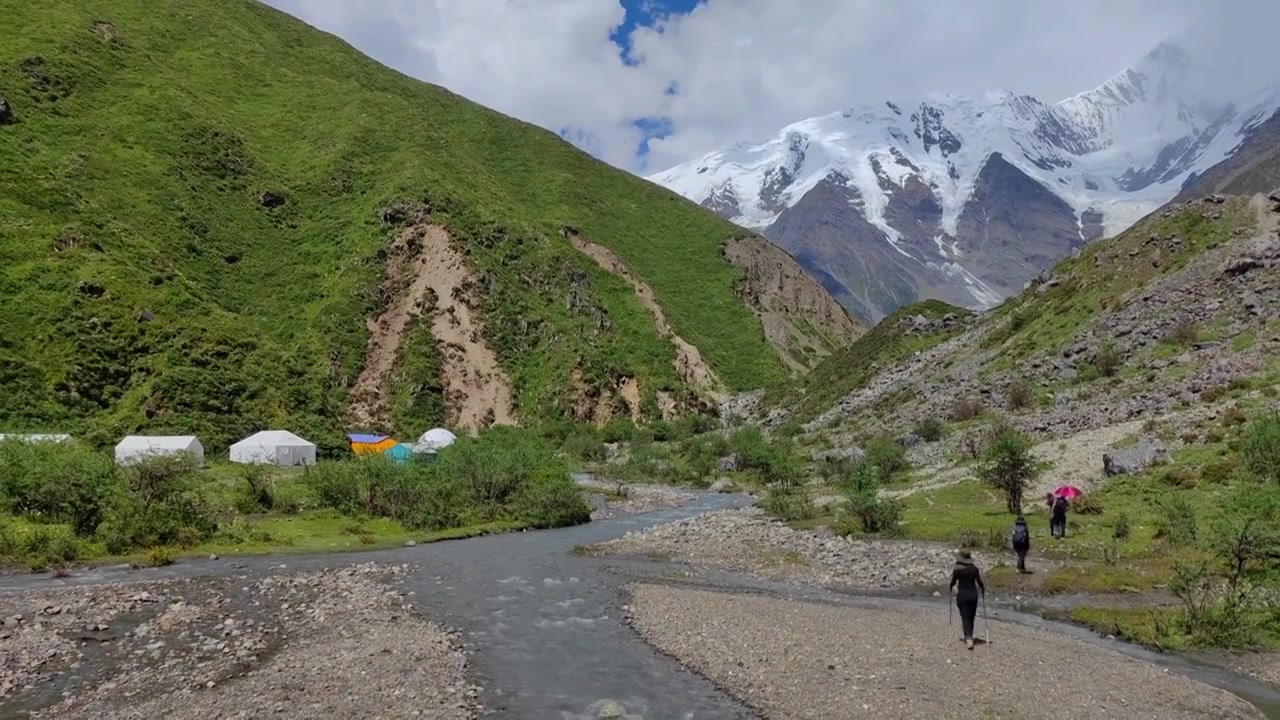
150, 287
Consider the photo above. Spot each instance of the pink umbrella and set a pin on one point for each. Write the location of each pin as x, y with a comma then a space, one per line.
1068, 491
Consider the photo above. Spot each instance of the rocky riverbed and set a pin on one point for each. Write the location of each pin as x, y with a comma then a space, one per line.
330, 643
803, 660
748, 540
615, 500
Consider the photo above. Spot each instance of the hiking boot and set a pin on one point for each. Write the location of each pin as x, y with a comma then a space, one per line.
968, 643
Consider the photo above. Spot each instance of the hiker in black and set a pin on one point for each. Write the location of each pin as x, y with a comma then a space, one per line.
1021, 540
1058, 518
967, 582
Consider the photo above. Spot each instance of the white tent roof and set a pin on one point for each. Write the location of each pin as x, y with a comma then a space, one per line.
434, 439
158, 442
34, 437
275, 437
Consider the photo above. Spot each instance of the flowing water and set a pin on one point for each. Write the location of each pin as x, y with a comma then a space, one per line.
544, 624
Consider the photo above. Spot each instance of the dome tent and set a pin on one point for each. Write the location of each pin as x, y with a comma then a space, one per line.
138, 448
433, 440
274, 447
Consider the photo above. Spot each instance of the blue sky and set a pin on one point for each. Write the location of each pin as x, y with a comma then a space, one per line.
646, 13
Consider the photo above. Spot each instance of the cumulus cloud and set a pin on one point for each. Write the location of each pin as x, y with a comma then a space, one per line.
734, 70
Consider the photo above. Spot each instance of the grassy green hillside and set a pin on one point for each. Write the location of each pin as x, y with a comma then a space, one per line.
887, 343
145, 284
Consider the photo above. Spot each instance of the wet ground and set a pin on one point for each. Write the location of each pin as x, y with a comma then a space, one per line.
544, 628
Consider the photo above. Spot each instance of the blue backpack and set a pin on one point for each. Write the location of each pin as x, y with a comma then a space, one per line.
1020, 536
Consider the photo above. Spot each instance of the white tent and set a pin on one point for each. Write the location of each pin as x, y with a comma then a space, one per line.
34, 437
274, 447
136, 448
433, 440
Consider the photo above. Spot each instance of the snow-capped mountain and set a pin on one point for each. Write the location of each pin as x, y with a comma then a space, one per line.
965, 199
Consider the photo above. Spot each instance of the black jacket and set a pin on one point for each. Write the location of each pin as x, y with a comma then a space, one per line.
965, 575
1060, 508
1025, 545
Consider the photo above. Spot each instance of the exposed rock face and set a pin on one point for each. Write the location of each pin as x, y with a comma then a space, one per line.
801, 320
1010, 230
1013, 227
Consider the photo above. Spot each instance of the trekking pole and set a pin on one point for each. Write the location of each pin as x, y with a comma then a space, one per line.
985, 621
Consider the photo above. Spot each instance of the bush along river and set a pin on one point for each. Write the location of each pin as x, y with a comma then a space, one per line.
541, 627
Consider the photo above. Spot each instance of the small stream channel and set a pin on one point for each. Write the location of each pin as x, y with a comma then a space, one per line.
545, 628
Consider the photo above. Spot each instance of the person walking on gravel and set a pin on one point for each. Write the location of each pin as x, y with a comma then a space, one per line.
966, 580
1021, 541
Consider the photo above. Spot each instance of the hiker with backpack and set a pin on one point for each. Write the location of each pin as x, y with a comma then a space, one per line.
966, 580
1058, 517
1021, 541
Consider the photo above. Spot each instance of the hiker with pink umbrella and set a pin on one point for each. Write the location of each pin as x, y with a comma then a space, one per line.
1058, 509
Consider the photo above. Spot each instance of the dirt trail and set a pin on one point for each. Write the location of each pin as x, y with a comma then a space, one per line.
689, 363
477, 391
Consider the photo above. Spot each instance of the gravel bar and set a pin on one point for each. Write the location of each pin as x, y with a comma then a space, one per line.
798, 660
748, 540
332, 643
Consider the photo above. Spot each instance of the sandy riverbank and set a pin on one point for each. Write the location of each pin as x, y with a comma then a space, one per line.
803, 660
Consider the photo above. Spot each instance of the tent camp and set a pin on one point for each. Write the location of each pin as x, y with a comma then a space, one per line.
274, 447
434, 440
136, 448
34, 438
399, 453
370, 444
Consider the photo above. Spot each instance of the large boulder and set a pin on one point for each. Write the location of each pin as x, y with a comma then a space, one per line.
1134, 459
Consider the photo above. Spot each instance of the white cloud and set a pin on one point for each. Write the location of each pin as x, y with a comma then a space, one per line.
745, 68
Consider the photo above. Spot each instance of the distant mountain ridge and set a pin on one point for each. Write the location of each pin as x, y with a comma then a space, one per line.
966, 199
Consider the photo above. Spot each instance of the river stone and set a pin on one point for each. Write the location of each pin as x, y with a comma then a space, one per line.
1134, 459
611, 709
723, 485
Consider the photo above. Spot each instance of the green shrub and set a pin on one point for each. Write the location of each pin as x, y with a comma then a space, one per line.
1120, 526
506, 474
788, 504
158, 501
1086, 505
932, 429
855, 476
869, 513
585, 445
888, 457
1107, 360
1009, 466
56, 482
618, 430
257, 492
1260, 449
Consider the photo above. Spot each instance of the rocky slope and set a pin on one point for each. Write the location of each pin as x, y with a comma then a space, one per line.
965, 199
214, 218
1188, 301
